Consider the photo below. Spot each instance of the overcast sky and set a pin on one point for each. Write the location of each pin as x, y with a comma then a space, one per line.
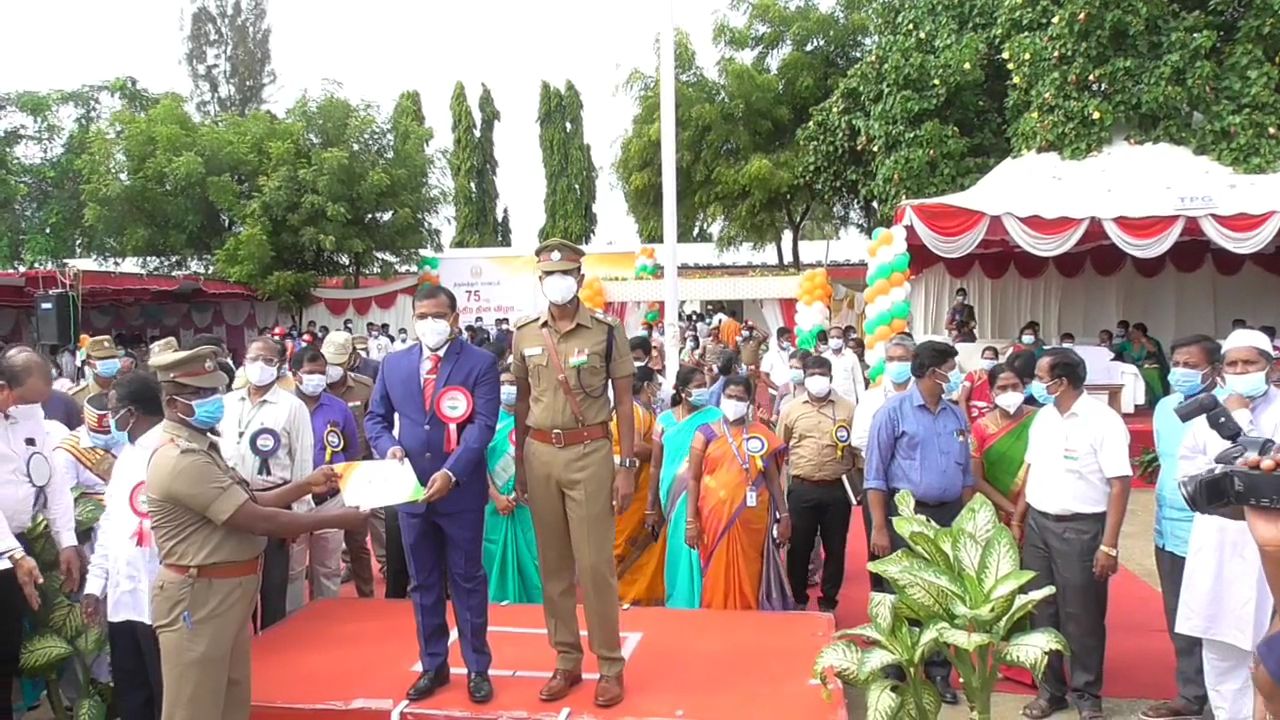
379, 48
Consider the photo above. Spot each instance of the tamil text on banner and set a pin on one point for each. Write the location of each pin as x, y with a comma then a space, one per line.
508, 286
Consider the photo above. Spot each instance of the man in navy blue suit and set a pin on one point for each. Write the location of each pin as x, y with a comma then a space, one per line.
446, 530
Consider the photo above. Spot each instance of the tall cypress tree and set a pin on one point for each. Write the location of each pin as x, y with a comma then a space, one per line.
569, 202
464, 165
229, 56
487, 172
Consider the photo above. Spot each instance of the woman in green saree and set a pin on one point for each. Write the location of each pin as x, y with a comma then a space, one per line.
1147, 354
668, 498
1000, 441
510, 549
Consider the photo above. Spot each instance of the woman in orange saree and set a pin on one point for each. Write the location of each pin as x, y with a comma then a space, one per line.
741, 518
636, 552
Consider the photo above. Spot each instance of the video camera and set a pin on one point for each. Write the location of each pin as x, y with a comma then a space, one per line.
1234, 480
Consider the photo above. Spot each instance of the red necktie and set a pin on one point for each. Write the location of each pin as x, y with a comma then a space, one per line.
429, 381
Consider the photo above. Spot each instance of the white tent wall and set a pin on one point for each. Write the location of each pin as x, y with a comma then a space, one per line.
1172, 304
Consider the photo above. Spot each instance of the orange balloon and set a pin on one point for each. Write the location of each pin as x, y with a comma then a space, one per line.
899, 325
883, 333
897, 279
882, 287
84, 341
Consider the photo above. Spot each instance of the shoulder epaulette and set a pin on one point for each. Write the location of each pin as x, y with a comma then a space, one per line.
606, 318
526, 320
359, 379
83, 384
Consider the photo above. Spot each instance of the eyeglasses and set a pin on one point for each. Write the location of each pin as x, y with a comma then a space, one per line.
267, 360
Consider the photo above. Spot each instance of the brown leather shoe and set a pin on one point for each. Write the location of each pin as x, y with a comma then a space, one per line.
609, 690
558, 687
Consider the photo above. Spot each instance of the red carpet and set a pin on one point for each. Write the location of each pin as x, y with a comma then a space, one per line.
353, 659
1141, 432
1139, 661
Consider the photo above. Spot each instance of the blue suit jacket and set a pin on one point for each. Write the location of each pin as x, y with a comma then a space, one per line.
398, 391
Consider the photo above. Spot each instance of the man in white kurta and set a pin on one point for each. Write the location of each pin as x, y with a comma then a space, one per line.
1225, 600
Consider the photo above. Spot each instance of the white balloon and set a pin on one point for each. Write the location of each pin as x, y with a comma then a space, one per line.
897, 247
882, 304
898, 294
899, 233
906, 290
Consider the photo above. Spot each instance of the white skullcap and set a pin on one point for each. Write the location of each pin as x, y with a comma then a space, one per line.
1249, 339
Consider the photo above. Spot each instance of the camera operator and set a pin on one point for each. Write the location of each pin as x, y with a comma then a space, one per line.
1225, 599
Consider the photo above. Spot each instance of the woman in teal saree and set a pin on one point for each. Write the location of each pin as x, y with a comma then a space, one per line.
1147, 354
510, 548
672, 438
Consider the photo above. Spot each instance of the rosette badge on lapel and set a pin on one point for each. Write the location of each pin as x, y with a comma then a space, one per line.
453, 405
138, 504
264, 443
756, 445
843, 436
333, 443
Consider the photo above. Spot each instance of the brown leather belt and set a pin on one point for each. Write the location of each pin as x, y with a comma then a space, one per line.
218, 571
565, 438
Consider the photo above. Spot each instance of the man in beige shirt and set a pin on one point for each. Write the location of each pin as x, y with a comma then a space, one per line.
816, 426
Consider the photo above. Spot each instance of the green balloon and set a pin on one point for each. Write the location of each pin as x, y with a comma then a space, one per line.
902, 263
880, 273
875, 234
900, 310
882, 320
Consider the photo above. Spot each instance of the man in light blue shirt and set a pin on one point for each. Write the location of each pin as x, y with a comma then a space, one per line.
920, 442
1195, 363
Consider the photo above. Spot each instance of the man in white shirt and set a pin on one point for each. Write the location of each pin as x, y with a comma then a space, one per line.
1077, 491
29, 486
267, 437
1225, 600
846, 368
125, 562
776, 363
379, 343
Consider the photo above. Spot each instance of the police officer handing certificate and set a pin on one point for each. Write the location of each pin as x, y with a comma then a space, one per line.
209, 530
565, 362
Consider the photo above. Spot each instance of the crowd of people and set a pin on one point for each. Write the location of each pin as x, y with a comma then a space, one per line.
730, 486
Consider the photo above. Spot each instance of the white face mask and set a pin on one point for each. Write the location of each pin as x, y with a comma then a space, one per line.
433, 332
818, 385
333, 374
837, 344
987, 363
559, 289
312, 384
734, 410
260, 374
1010, 401
1028, 339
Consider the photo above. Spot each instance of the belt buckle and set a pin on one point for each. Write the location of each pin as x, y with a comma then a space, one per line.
557, 438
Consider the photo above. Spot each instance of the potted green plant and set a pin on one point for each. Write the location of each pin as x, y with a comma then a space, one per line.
1146, 466
61, 634
957, 591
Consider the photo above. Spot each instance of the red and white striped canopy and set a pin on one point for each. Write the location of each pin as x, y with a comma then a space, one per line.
1140, 198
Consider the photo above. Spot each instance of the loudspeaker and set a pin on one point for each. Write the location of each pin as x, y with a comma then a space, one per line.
57, 318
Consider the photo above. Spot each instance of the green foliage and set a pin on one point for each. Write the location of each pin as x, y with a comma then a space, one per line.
570, 198
950, 89
473, 165
228, 56
487, 172
504, 229
961, 585
91, 707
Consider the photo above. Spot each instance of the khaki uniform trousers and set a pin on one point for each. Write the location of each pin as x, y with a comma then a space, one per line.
571, 498
204, 630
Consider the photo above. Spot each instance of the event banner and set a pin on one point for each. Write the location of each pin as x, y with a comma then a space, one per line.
508, 286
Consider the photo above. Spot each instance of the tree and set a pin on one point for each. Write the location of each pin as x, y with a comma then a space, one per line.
639, 164
570, 196
465, 165
487, 172
781, 60
229, 56
504, 229
949, 90
340, 192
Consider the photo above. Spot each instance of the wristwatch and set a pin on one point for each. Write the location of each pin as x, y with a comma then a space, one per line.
629, 463
16, 556
1109, 551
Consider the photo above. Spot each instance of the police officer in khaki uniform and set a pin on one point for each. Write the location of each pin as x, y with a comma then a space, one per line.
105, 362
565, 362
355, 390
209, 530
163, 346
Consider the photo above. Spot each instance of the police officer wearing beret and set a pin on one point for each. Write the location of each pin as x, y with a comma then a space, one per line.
565, 361
209, 530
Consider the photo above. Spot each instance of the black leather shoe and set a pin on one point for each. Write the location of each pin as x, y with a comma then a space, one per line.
427, 684
479, 688
947, 692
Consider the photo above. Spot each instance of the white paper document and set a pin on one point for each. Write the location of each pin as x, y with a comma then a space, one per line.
371, 484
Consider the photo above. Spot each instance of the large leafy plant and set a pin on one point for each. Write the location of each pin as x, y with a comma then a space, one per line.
961, 586
61, 635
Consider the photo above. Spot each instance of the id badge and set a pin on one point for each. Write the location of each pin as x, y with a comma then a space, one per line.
752, 498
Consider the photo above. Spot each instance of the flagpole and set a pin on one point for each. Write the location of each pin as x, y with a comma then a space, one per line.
674, 338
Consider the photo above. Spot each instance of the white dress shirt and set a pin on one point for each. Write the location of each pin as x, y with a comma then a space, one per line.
1073, 457
81, 476
777, 365
123, 567
379, 347
19, 441
865, 410
1224, 592
287, 415
846, 374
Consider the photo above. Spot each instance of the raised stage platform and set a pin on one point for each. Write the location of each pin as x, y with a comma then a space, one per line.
353, 659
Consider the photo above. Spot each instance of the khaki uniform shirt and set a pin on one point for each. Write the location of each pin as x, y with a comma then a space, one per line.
581, 350
806, 428
191, 492
84, 391
356, 395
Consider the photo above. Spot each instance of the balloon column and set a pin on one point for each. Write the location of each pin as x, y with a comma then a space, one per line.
653, 313
887, 297
813, 307
592, 294
429, 271
646, 264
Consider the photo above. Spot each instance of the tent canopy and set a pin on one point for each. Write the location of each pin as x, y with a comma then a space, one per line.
1127, 200
18, 289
